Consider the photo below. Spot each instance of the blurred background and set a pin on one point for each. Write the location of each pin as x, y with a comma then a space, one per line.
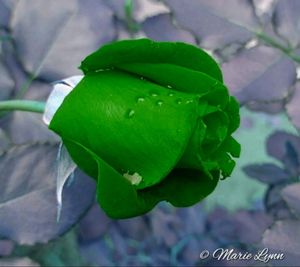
257, 44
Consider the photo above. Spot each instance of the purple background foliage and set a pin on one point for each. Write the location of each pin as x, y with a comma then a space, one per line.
257, 44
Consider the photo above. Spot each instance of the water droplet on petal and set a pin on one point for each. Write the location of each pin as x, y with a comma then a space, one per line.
99, 70
130, 113
179, 101
140, 99
154, 94
189, 101
159, 102
142, 78
169, 86
171, 94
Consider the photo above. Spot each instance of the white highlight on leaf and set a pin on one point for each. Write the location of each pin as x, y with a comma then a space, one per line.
60, 90
65, 174
134, 179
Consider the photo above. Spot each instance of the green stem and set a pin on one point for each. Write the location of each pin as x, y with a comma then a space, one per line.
24, 105
269, 40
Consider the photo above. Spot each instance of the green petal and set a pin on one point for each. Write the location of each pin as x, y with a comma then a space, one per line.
148, 51
185, 187
105, 114
171, 76
233, 111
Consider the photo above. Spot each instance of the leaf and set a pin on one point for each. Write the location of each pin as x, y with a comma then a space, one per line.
134, 228
164, 227
244, 227
275, 204
267, 107
94, 225
28, 195
293, 108
209, 20
6, 248
162, 28
250, 225
141, 10
26, 127
69, 32
286, 20
5, 142
291, 194
283, 236
6, 7
286, 148
6, 82
267, 173
146, 9
255, 80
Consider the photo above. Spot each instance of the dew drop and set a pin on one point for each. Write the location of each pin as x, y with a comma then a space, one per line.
159, 102
169, 86
179, 101
154, 94
140, 99
171, 94
142, 78
99, 70
189, 101
130, 113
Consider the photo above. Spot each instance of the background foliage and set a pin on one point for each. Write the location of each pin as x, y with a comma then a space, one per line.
258, 45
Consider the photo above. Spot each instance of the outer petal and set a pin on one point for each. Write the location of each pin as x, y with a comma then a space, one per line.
148, 51
120, 199
132, 124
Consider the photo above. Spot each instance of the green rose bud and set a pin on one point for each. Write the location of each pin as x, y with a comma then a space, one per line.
150, 121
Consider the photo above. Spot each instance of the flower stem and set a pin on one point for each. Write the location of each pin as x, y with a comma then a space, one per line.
24, 105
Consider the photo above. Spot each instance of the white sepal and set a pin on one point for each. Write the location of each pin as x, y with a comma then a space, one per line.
60, 90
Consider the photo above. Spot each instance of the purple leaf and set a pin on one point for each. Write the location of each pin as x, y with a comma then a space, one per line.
147, 8
5, 142
26, 127
250, 225
6, 82
222, 226
6, 247
275, 204
250, 75
291, 194
287, 20
283, 236
142, 9
195, 214
267, 173
54, 43
6, 7
286, 148
267, 107
161, 28
263, 9
216, 23
243, 226
93, 225
293, 107
28, 203
164, 227
134, 228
